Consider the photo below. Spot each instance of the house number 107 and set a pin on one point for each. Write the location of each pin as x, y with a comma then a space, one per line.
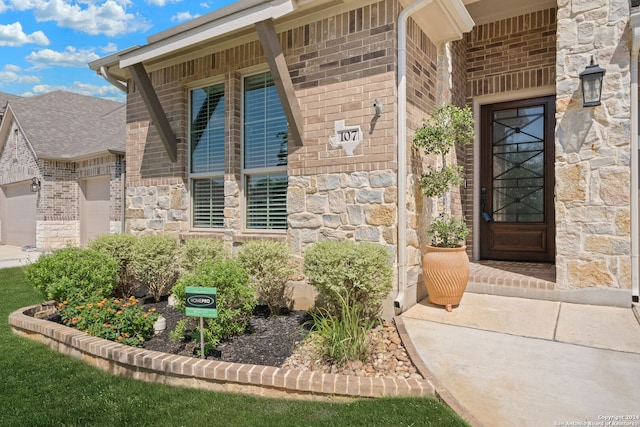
349, 135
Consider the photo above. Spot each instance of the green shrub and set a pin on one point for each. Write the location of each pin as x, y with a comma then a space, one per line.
120, 248
361, 271
269, 266
116, 319
194, 252
235, 298
345, 337
73, 273
154, 263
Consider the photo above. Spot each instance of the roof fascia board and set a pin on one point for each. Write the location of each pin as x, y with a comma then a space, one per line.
233, 8
151, 101
5, 126
84, 156
309, 11
282, 78
225, 25
327, 9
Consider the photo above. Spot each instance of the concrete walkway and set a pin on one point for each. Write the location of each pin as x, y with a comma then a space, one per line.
523, 362
14, 256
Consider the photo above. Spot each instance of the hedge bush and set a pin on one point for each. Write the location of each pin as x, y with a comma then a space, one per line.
194, 252
73, 273
359, 272
235, 299
154, 263
120, 248
270, 267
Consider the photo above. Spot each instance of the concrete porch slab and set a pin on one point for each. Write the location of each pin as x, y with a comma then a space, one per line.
508, 315
507, 380
604, 327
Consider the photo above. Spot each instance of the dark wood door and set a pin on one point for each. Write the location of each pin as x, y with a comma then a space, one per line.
517, 181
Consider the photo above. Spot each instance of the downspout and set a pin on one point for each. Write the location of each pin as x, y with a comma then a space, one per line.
123, 197
635, 208
399, 301
108, 77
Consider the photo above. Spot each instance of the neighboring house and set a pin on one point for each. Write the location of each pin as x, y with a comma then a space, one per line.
61, 169
258, 121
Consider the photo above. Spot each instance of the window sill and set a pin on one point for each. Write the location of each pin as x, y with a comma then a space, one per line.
238, 238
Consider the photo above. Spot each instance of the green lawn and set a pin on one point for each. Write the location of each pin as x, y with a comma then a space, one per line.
39, 387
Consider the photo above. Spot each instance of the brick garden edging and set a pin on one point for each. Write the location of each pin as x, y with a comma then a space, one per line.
170, 369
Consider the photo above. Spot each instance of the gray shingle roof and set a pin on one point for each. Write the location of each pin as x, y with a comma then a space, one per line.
4, 98
65, 125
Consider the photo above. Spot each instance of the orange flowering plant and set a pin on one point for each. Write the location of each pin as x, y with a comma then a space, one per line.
116, 319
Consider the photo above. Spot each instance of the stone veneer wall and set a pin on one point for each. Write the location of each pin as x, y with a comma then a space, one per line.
593, 148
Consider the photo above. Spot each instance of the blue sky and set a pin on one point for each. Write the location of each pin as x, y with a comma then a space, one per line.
45, 45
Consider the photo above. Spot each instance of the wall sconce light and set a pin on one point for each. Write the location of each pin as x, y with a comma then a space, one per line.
35, 185
591, 82
378, 106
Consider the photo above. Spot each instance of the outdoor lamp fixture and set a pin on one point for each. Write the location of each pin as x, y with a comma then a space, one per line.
591, 82
35, 185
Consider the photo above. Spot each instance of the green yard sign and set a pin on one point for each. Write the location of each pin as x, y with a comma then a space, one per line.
201, 302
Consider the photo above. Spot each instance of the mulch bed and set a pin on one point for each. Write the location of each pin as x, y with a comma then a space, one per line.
269, 340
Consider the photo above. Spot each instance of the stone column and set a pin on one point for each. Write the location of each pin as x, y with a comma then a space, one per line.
592, 194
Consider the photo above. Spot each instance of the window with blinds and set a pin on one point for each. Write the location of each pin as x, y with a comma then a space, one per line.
207, 156
267, 201
265, 154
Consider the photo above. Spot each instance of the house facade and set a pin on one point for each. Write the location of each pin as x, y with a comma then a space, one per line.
61, 169
293, 120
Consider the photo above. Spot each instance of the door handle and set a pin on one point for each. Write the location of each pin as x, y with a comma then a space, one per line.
483, 200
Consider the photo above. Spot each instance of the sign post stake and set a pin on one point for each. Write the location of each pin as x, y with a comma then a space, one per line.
202, 338
201, 302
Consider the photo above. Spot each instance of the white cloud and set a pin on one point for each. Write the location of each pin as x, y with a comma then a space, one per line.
109, 48
162, 2
11, 74
183, 16
107, 17
105, 91
71, 57
205, 5
11, 67
12, 35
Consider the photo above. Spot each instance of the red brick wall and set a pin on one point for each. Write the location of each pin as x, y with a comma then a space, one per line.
512, 54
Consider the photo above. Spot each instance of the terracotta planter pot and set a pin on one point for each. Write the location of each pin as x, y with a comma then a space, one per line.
446, 272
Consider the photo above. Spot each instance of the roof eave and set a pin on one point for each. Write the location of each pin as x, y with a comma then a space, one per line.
226, 21
81, 157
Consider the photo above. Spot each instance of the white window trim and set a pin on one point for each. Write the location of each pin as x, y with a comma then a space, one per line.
191, 176
248, 72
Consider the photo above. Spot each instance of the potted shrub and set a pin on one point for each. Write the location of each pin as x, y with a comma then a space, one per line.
445, 263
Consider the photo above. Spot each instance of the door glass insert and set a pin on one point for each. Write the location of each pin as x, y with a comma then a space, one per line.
518, 164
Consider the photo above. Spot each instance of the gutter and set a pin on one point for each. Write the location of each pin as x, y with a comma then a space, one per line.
635, 205
104, 72
399, 303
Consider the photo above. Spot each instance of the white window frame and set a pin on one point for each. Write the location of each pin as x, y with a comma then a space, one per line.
204, 175
254, 171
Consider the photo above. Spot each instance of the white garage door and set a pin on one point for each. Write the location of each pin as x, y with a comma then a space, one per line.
94, 208
18, 214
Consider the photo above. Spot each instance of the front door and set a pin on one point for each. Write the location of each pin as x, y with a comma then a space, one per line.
517, 179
